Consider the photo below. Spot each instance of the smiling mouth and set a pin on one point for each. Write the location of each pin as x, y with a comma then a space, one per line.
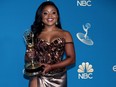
50, 19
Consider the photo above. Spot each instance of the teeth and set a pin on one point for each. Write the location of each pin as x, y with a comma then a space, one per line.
50, 19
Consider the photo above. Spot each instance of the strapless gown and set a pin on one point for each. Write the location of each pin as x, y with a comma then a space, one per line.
51, 53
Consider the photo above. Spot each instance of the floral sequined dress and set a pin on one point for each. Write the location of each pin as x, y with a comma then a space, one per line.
51, 53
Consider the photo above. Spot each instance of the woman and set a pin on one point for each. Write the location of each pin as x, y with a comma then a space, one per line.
50, 44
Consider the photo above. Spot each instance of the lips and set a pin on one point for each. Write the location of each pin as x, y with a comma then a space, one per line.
50, 19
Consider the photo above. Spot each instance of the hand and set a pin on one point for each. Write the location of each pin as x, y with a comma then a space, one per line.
47, 68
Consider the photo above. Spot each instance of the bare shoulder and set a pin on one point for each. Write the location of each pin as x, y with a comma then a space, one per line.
67, 36
63, 32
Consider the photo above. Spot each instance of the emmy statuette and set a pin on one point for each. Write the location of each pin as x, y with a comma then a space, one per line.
32, 67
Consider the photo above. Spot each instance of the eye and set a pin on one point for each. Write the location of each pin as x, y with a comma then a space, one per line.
53, 12
45, 13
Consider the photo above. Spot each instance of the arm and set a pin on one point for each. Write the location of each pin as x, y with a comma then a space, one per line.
70, 55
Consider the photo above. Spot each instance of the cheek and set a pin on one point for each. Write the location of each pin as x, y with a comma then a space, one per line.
44, 15
44, 18
56, 17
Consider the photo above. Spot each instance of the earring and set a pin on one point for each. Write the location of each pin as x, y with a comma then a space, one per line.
56, 23
42, 24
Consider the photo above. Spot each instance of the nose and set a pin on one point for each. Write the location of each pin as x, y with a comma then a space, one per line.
49, 15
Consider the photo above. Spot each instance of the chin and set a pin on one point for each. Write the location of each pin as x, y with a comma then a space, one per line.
50, 24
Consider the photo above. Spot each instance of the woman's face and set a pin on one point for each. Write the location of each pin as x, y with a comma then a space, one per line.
49, 15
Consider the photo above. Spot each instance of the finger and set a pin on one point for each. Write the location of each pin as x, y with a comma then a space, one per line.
42, 64
27, 50
43, 73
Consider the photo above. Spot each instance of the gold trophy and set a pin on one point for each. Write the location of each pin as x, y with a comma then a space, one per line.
31, 68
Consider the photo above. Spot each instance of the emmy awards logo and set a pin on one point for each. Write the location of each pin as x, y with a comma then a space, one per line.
32, 67
84, 38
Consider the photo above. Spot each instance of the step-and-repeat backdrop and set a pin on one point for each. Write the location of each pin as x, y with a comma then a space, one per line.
92, 25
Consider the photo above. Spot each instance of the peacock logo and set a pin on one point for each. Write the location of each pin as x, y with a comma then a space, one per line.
85, 71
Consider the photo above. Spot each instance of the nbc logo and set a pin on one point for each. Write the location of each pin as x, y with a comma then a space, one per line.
85, 71
84, 3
